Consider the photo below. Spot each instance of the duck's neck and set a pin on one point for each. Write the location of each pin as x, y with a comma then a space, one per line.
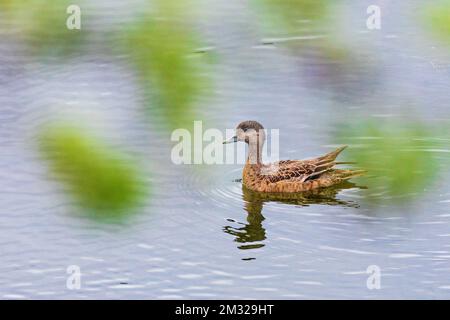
255, 153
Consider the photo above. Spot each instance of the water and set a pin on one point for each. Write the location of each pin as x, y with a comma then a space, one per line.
200, 235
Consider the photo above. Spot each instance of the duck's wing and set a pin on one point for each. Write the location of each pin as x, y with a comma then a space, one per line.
294, 170
301, 170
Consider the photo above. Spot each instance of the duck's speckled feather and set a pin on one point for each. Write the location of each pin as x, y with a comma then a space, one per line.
297, 175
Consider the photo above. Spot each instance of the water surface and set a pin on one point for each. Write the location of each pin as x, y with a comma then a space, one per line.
200, 235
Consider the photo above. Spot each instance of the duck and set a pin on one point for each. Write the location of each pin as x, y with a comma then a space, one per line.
287, 176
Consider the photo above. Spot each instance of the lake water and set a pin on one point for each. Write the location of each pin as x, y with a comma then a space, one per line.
200, 235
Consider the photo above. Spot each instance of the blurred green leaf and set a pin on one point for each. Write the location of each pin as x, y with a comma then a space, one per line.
102, 180
437, 18
396, 155
43, 26
303, 25
162, 46
290, 13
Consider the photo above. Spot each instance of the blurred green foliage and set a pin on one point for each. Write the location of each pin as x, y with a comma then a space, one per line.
43, 25
437, 17
102, 180
290, 13
162, 45
314, 19
396, 155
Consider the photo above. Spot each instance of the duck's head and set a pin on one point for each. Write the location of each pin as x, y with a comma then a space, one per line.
250, 132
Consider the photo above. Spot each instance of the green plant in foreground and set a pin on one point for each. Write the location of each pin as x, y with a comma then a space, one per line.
396, 155
162, 46
102, 180
43, 26
437, 19
289, 13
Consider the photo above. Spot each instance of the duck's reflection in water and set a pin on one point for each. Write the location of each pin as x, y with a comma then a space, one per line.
251, 235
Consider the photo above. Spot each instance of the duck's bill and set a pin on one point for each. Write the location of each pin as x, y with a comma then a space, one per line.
231, 140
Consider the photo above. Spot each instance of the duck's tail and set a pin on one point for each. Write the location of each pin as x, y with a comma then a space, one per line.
337, 176
326, 164
333, 154
343, 175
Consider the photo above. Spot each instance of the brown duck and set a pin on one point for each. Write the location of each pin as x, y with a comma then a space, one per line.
286, 176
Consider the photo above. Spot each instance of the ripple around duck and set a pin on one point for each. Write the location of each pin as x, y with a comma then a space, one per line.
219, 190
225, 190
